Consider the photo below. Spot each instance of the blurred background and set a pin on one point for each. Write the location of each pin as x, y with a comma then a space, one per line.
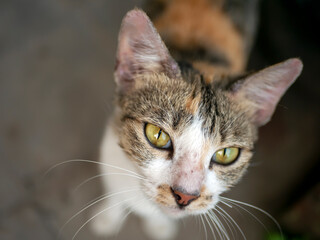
56, 93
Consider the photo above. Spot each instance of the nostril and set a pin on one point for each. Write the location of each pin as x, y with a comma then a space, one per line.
182, 198
176, 196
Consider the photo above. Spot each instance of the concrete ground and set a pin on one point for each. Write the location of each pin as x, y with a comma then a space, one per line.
56, 91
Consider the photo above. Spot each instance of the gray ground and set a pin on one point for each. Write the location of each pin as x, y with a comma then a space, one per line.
56, 91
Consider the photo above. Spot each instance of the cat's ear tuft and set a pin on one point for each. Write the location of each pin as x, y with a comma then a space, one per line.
262, 91
141, 50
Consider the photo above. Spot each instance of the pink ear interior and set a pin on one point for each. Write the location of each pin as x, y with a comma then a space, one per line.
264, 89
141, 50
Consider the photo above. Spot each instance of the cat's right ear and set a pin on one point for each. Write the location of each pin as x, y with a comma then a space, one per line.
141, 51
260, 92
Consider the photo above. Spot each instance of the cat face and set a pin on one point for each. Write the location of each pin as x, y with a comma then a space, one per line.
192, 140
199, 122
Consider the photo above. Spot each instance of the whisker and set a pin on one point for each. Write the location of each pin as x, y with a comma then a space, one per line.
220, 225
235, 208
105, 174
198, 223
227, 221
90, 161
204, 227
215, 225
129, 212
260, 210
183, 223
91, 204
104, 210
252, 215
106, 194
234, 222
208, 221
230, 206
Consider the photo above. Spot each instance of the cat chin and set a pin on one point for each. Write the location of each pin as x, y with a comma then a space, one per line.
176, 212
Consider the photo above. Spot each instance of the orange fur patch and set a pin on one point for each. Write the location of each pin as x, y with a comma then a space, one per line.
209, 71
192, 104
188, 23
164, 196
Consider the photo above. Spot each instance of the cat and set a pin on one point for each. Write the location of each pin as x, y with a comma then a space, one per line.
182, 132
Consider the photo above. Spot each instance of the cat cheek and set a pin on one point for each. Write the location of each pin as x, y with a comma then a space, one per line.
156, 171
215, 186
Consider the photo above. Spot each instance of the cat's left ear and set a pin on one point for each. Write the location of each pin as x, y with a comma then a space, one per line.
261, 91
141, 51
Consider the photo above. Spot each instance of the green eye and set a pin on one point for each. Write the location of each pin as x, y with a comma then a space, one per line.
226, 156
157, 137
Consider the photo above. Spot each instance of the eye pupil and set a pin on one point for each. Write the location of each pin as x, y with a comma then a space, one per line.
159, 133
225, 156
157, 137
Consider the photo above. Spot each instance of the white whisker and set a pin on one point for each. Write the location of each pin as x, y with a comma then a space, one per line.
227, 221
212, 221
233, 221
258, 209
254, 216
129, 212
105, 174
220, 225
230, 206
183, 223
90, 161
104, 210
109, 193
204, 227
91, 204
198, 223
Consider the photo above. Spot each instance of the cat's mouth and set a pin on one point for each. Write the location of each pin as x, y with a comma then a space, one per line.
175, 211
178, 212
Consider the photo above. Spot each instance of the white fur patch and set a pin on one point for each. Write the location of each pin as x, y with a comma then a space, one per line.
187, 170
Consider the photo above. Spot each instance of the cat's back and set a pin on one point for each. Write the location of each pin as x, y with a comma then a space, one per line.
215, 36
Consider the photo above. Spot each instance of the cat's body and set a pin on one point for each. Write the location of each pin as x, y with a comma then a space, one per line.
184, 132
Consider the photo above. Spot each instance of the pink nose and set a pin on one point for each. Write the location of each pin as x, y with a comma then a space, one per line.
183, 199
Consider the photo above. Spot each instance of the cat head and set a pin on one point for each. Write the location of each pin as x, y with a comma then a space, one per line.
191, 140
